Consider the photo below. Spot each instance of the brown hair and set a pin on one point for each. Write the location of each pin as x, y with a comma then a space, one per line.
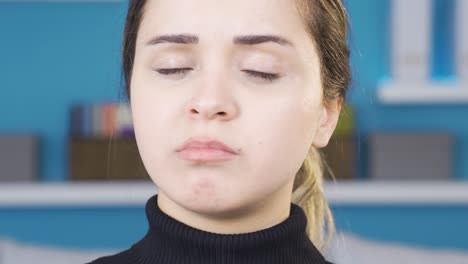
326, 22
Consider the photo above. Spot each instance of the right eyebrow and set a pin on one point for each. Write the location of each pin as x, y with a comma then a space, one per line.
180, 39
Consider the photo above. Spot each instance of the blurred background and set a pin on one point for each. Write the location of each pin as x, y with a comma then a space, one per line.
71, 177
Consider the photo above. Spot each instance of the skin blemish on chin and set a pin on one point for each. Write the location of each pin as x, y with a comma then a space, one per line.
202, 187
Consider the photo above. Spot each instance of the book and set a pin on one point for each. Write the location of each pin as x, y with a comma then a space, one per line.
411, 30
410, 156
19, 156
105, 159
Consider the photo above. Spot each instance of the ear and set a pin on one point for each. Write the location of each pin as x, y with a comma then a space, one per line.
328, 121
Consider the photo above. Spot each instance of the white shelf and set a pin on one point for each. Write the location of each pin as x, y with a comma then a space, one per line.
136, 193
76, 194
418, 93
398, 192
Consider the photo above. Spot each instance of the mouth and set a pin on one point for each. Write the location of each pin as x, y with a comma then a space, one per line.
206, 150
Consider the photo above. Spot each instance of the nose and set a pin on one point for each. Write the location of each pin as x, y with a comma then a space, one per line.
213, 100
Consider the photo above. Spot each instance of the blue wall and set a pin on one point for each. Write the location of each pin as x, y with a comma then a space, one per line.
119, 227
54, 54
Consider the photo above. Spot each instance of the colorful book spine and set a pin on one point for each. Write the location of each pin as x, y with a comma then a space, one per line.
101, 120
124, 121
86, 121
97, 121
108, 112
76, 119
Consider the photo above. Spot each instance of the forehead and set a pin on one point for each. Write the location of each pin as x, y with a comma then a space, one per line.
222, 19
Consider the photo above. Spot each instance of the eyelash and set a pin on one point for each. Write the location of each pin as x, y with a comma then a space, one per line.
263, 75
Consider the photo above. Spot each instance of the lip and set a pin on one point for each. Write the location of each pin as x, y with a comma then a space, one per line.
205, 149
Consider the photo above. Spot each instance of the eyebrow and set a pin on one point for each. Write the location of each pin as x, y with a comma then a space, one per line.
240, 40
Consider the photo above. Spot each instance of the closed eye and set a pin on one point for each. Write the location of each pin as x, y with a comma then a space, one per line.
172, 71
263, 75
256, 74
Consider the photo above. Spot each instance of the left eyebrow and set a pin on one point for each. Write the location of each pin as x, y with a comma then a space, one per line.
258, 39
239, 40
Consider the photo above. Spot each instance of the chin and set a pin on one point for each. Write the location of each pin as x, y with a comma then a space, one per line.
213, 204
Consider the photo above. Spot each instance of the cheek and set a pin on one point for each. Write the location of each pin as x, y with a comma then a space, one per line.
153, 107
281, 138
153, 121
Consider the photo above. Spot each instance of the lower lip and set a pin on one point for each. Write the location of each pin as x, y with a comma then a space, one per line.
205, 154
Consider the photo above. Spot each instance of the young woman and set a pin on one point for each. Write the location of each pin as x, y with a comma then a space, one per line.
231, 102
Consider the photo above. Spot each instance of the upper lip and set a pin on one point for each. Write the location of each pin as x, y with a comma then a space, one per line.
206, 142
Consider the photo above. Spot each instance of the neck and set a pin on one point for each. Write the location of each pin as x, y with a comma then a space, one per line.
255, 216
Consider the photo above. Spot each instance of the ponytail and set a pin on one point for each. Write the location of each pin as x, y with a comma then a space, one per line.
326, 21
308, 194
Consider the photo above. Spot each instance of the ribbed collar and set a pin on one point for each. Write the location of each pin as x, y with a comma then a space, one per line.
169, 241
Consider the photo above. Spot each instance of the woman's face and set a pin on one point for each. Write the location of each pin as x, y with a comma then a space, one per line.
271, 119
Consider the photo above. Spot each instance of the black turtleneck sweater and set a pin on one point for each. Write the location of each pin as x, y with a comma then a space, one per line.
169, 241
